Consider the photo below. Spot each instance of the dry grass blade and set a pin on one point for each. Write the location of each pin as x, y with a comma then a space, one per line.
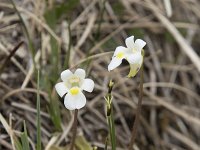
23, 90
168, 7
187, 49
174, 109
8, 130
174, 86
183, 139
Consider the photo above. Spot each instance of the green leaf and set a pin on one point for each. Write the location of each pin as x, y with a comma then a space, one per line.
118, 8
53, 106
24, 139
38, 114
82, 144
54, 111
112, 130
30, 43
17, 143
138, 33
62, 9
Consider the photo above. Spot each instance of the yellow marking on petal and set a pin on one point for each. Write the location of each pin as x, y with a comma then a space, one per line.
74, 91
120, 55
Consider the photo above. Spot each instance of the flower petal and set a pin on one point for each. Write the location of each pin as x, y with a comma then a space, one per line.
69, 102
134, 58
80, 73
66, 74
75, 101
80, 101
61, 89
130, 42
88, 85
139, 44
119, 49
115, 62
134, 68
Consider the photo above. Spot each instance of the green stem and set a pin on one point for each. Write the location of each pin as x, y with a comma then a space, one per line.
67, 60
137, 117
102, 10
112, 129
109, 115
74, 129
106, 144
30, 43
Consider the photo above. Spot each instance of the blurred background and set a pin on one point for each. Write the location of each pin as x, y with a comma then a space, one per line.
54, 35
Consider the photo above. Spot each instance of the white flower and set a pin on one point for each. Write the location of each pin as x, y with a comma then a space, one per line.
132, 53
73, 84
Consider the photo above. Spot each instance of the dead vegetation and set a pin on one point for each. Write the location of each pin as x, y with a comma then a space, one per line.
83, 34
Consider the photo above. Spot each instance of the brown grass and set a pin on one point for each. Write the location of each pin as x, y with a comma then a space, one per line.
170, 115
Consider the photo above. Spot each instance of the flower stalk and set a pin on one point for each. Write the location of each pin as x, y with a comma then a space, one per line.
74, 129
138, 111
109, 115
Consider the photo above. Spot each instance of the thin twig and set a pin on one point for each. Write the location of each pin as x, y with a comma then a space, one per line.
137, 117
74, 129
9, 56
